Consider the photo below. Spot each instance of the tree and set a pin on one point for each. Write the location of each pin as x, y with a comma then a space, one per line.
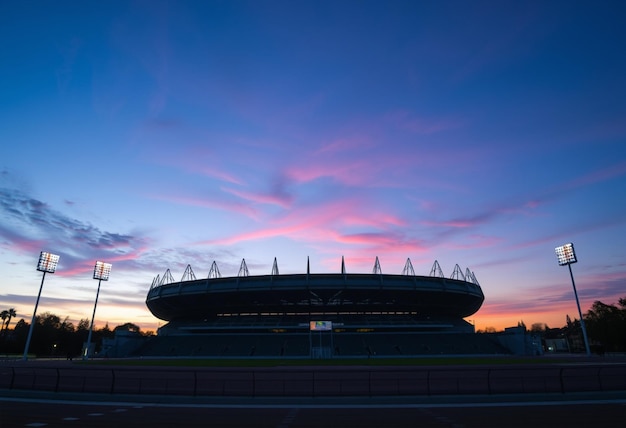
46, 334
606, 325
4, 315
539, 327
11, 313
83, 324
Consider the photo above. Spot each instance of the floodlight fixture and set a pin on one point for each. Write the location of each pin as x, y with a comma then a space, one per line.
101, 272
47, 264
566, 256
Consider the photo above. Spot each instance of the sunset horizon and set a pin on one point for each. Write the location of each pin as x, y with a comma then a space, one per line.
156, 135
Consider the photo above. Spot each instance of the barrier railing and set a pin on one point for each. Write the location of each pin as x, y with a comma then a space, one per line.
336, 381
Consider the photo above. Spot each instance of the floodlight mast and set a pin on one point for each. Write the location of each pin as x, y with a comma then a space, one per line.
47, 263
566, 256
101, 272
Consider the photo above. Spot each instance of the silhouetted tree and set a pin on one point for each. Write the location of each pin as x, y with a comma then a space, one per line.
606, 325
11, 313
4, 315
53, 336
14, 340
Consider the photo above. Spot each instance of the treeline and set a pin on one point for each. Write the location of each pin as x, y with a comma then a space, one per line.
605, 324
53, 337
606, 330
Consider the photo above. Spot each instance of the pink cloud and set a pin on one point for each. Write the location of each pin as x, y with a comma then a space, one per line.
217, 173
239, 208
351, 212
376, 220
476, 241
318, 225
366, 239
468, 222
450, 223
297, 223
254, 235
364, 161
82, 267
282, 200
599, 176
349, 172
85, 267
16, 242
391, 246
353, 144
199, 160
196, 159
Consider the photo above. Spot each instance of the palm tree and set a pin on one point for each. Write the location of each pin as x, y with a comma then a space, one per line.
4, 315
10, 314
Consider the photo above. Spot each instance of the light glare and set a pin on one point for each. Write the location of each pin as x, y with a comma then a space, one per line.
102, 271
566, 255
47, 262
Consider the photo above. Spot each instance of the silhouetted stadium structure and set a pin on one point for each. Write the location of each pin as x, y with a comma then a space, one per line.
326, 315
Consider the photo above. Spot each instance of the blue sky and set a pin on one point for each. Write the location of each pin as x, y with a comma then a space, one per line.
154, 134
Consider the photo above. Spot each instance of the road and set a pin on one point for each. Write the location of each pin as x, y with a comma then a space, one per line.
536, 413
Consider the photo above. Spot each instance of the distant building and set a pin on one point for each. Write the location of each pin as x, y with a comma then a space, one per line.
519, 341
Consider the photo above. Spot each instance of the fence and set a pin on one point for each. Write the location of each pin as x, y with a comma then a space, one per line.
314, 382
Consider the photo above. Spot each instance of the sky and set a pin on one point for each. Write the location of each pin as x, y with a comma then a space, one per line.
153, 135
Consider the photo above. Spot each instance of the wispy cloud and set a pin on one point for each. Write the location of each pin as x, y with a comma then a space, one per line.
212, 202
598, 176
408, 121
351, 144
28, 224
278, 197
350, 172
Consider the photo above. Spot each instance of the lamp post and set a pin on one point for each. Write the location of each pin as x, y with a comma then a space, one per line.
47, 264
566, 256
101, 272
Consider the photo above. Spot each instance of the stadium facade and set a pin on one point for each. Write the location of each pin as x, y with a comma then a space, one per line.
316, 315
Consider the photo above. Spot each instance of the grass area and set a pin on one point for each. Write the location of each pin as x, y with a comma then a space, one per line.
399, 362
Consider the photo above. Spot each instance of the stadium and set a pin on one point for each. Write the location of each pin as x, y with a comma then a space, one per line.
316, 315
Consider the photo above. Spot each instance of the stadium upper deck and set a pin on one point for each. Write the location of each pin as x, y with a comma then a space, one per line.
194, 299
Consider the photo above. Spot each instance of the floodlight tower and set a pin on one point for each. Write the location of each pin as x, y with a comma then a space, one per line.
566, 255
47, 264
101, 272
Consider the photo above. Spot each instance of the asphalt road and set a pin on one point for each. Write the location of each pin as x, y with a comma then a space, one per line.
587, 412
40, 407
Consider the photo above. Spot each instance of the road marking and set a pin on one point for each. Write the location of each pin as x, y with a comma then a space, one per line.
443, 420
529, 403
36, 424
289, 418
70, 419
